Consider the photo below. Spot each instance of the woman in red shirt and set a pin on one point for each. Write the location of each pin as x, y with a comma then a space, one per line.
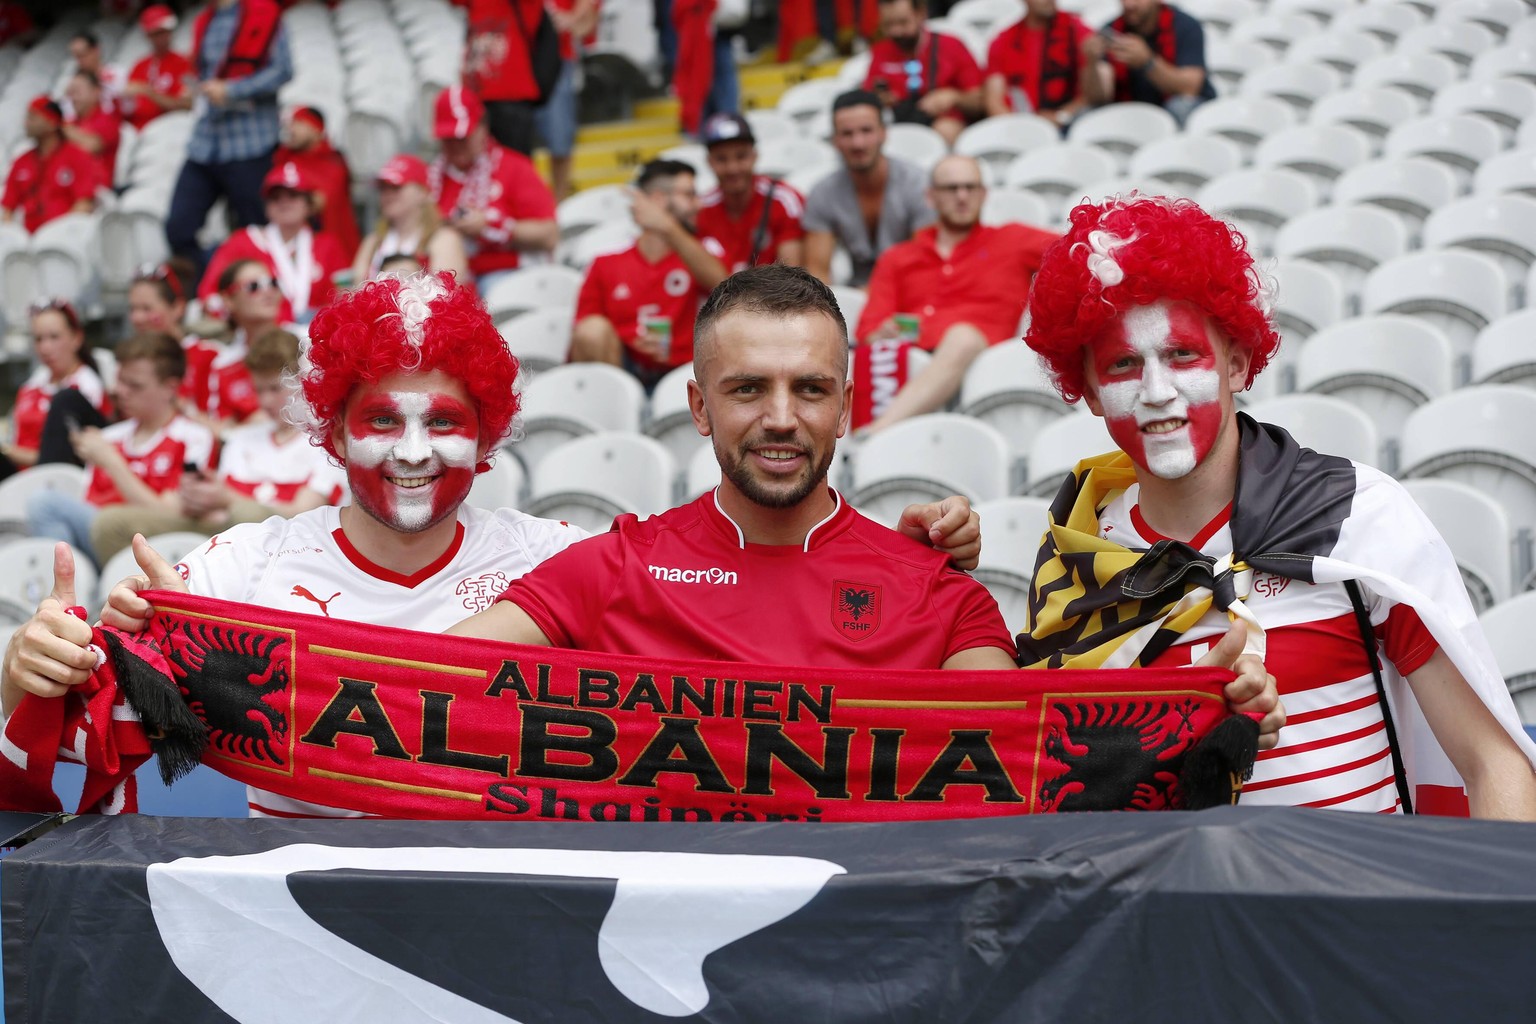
65, 367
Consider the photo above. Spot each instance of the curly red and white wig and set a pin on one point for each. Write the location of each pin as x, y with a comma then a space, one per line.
1136, 250
426, 322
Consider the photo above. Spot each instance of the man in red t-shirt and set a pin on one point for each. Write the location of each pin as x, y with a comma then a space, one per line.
53, 178
1035, 64
664, 276
499, 69
93, 128
488, 193
923, 76
966, 283
756, 218
161, 81
305, 145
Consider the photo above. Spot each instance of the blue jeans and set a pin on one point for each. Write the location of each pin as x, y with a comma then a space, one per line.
557, 117
61, 517
725, 91
1180, 107
199, 186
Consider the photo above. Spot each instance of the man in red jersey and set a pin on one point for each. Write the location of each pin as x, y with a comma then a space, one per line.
92, 127
498, 66
161, 81
924, 77
304, 143
756, 218
54, 177
666, 274
1153, 312
963, 280
488, 193
1036, 63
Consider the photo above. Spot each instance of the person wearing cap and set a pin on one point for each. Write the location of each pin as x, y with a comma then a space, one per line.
241, 56
90, 126
498, 66
755, 217
304, 142
161, 81
489, 194
409, 224
52, 178
924, 77
870, 203
665, 275
303, 262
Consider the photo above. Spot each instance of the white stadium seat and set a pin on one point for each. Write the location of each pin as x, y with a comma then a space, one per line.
1062, 444
1324, 424
1503, 228
1222, 15
1410, 187
915, 143
1014, 206
1476, 529
1342, 51
26, 575
599, 240
809, 104
1505, 351
1498, 16
539, 338
1323, 152
1229, 61
781, 157
703, 472
850, 302
997, 141
1459, 292
1375, 110
1308, 298
1351, 241
1301, 84
1514, 171
539, 287
1460, 141
1014, 528
1484, 437
1058, 173
17, 489
1007, 388
1515, 59
1507, 102
1421, 74
770, 125
1246, 120
1187, 161
591, 207
1121, 129
1259, 201
501, 486
927, 458
671, 420
1275, 29
1461, 41
986, 17
1508, 629
575, 399
592, 479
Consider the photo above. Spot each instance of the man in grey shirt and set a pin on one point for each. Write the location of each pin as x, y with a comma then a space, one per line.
871, 203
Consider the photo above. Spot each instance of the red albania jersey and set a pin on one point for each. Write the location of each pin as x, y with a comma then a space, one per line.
166, 75
888, 64
685, 584
496, 61
106, 127
502, 184
739, 234
46, 189
1019, 51
625, 287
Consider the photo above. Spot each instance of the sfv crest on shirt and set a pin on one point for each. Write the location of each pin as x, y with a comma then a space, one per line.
855, 609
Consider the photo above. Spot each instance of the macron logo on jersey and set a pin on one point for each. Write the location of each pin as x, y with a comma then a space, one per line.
714, 575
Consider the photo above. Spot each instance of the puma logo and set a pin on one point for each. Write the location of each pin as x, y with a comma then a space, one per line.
300, 591
214, 542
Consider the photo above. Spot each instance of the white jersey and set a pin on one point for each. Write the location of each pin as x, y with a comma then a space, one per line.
256, 465
306, 564
1333, 751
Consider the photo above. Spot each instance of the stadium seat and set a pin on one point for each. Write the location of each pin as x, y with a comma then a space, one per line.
997, 141
771, 125
1460, 141
1505, 351
1229, 61
591, 207
1260, 201
1015, 206
1507, 102
1187, 161
1498, 16
1514, 171
1007, 388
539, 338
703, 472
1461, 41
1275, 29
986, 17
1503, 228
1320, 12
1322, 152
600, 240
26, 574
1420, 74
915, 143
1484, 437
850, 301
671, 420
853, 72
1323, 423
1508, 629
1515, 59
591, 479
1459, 292
1525, 135
17, 489
1060, 445
1375, 110
1308, 298
1385, 366
65, 255
1301, 84
1342, 51
781, 157
1221, 15
1246, 120
569, 401
809, 104
501, 486
1476, 529
1014, 528
1351, 241
1057, 173
927, 458
1120, 129
1410, 187
173, 547
538, 287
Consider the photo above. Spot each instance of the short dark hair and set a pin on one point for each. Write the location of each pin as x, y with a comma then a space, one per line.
89, 76
397, 258
274, 350
655, 170
88, 38
917, 5
776, 289
159, 348
857, 98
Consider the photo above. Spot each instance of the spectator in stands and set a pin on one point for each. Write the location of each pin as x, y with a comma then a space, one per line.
499, 67
576, 22
137, 461
157, 303
964, 281
304, 143
923, 77
1036, 64
250, 294
265, 469
162, 81
66, 376
871, 203
409, 224
91, 127
696, 48
85, 48
636, 307
304, 262
16, 24
54, 177
489, 194
755, 217
1153, 312
240, 53
1155, 54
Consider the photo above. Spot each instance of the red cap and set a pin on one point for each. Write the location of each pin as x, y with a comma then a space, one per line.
458, 111
403, 170
157, 18
289, 176
44, 105
309, 115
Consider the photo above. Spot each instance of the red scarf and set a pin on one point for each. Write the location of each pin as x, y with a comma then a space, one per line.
247, 54
1161, 41
1058, 64
879, 371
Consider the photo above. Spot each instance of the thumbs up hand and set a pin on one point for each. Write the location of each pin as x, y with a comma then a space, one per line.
126, 609
50, 653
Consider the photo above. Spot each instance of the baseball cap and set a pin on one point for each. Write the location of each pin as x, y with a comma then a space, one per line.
726, 128
403, 169
457, 112
45, 106
287, 175
157, 18
310, 115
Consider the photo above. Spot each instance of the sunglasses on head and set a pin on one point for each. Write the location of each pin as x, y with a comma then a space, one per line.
161, 273
57, 305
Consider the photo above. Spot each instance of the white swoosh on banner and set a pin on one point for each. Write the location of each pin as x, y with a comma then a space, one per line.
232, 926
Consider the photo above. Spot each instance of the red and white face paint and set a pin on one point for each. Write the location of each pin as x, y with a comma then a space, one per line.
1159, 387
412, 442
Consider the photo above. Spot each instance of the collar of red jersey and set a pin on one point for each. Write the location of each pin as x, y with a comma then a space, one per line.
812, 534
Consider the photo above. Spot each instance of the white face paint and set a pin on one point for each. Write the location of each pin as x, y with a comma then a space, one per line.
1160, 388
410, 456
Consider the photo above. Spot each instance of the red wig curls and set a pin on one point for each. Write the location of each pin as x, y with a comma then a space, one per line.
1137, 250
426, 322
